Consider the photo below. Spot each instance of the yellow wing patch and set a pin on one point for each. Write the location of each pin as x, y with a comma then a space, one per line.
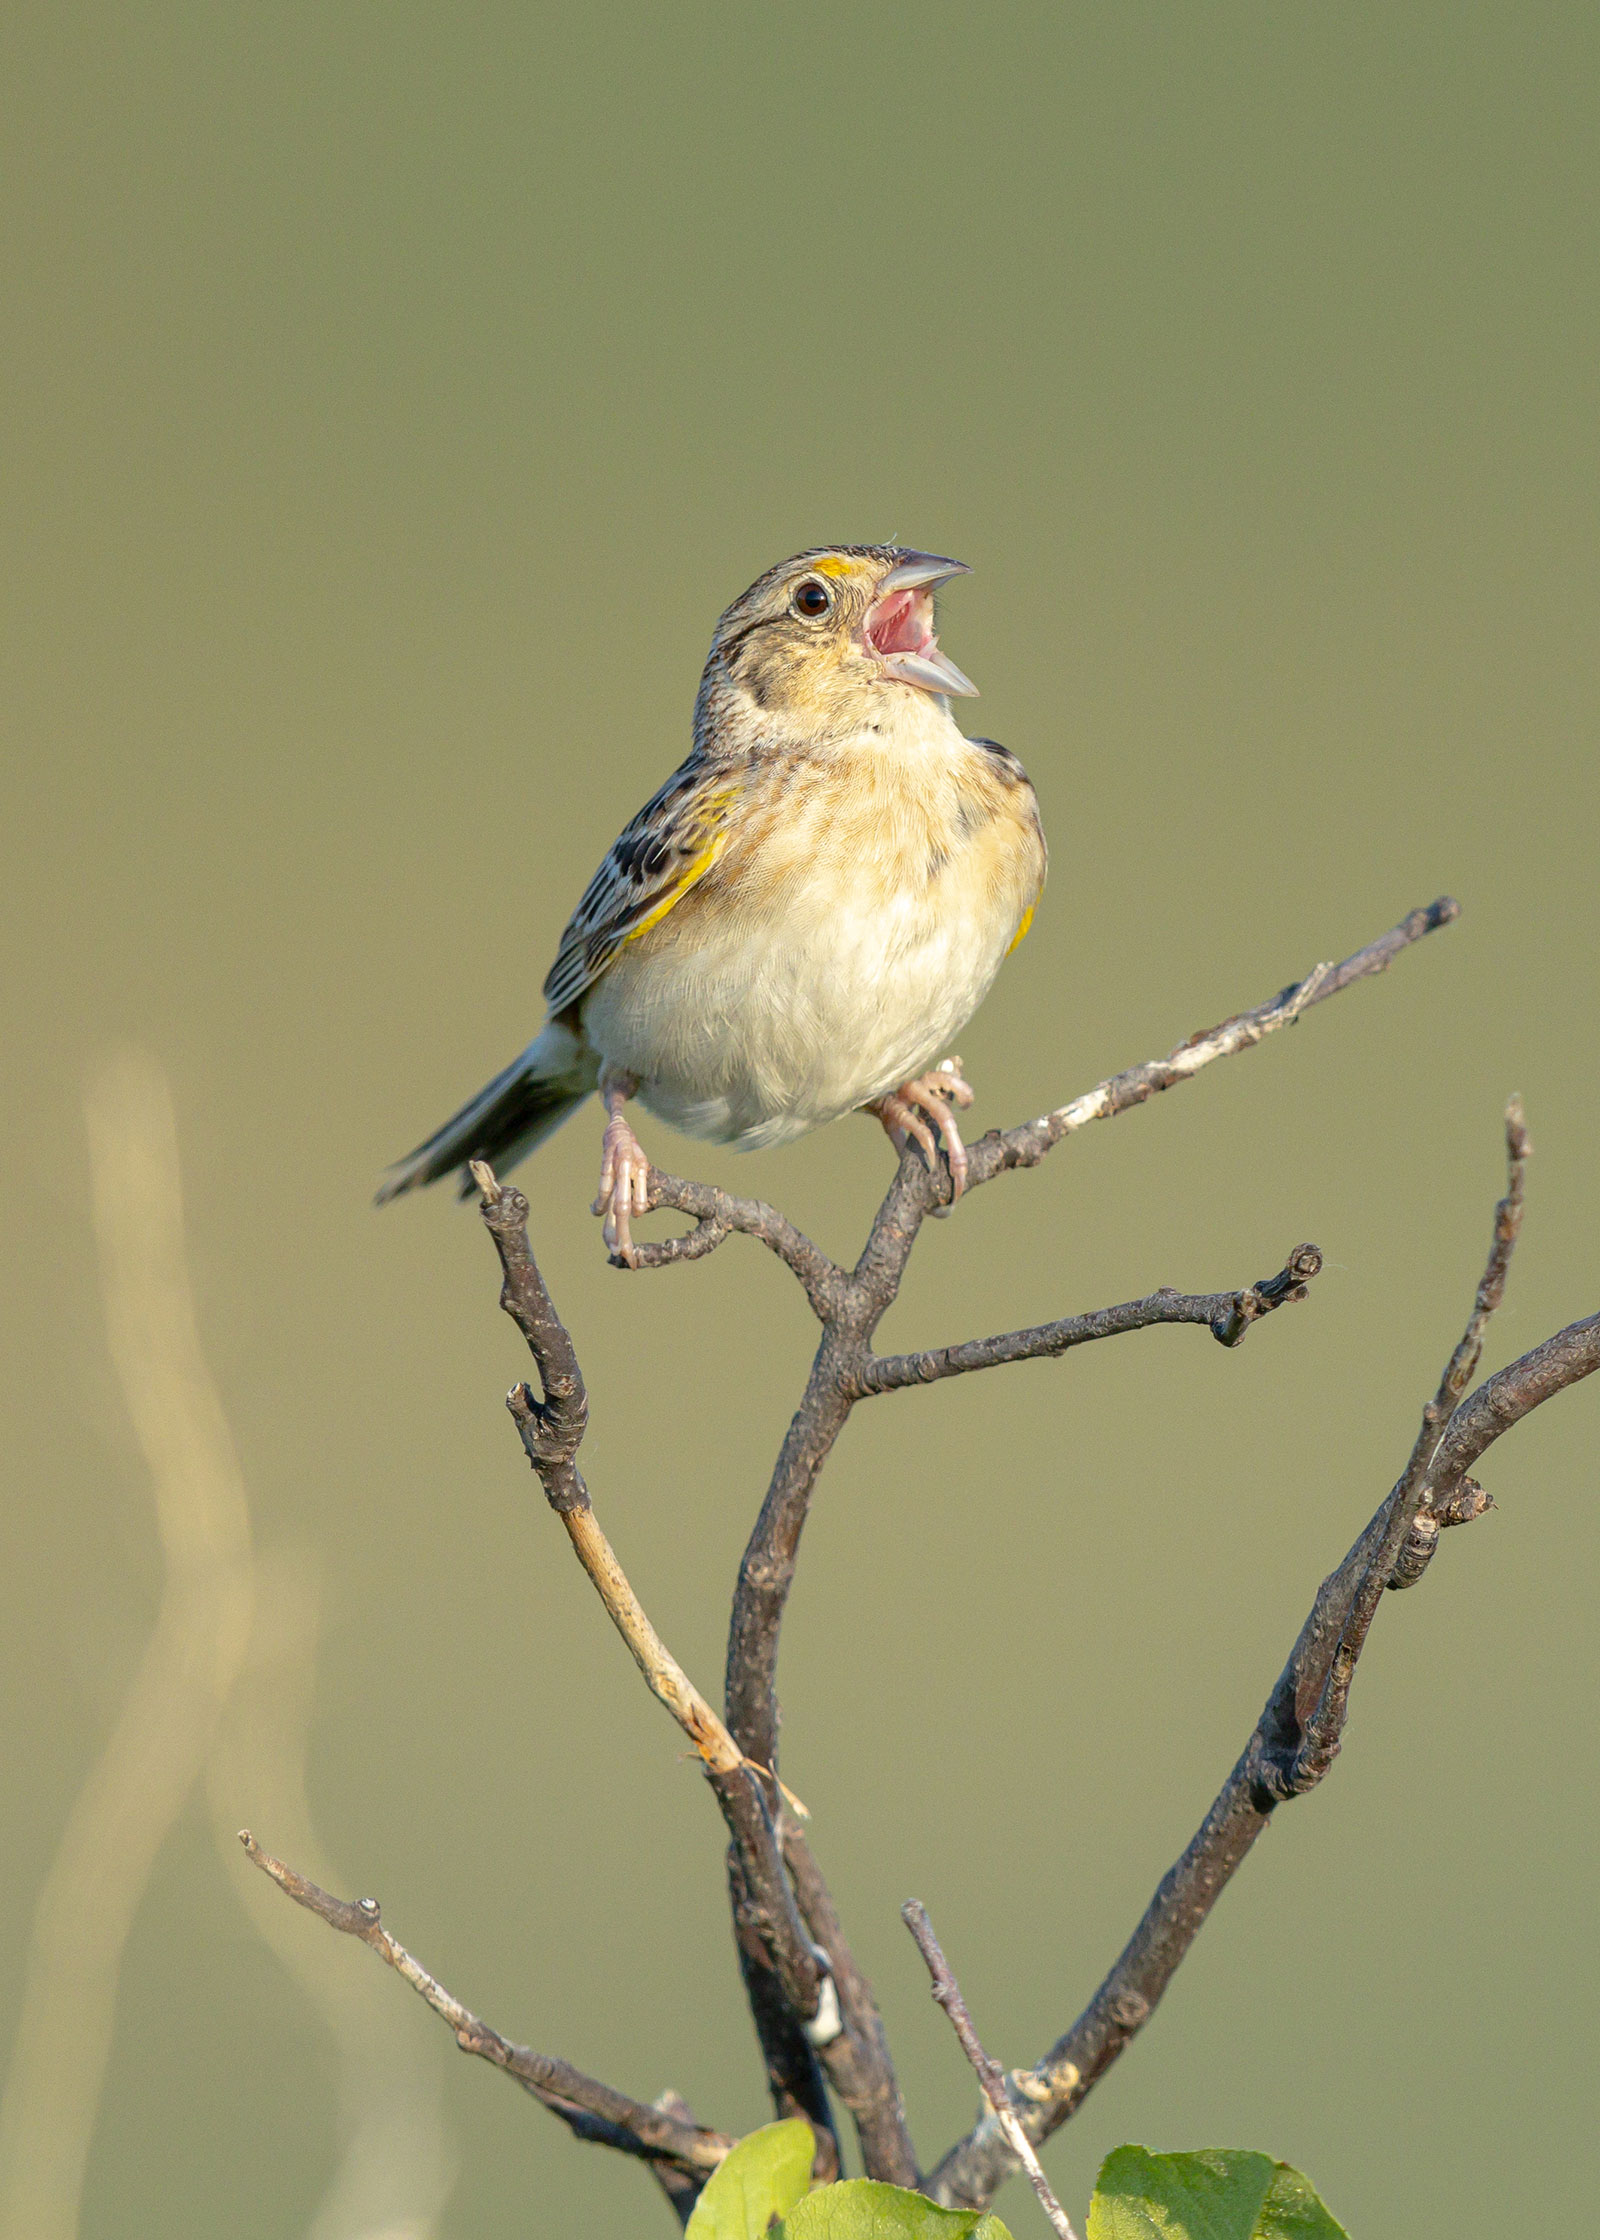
697, 870
1021, 933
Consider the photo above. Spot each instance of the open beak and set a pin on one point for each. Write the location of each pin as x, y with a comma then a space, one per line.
899, 625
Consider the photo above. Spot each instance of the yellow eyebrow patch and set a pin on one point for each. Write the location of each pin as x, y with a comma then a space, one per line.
834, 568
1022, 930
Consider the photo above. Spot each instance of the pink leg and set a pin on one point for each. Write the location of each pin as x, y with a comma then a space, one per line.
624, 1171
935, 1094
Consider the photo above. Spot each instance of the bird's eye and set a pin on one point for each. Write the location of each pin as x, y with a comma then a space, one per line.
812, 599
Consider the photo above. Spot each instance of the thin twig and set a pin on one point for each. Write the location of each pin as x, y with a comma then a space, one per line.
719, 1215
593, 2110
1226, 1314
1026, 1145
991, 2076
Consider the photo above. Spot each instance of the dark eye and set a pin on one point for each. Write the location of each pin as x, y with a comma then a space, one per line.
812, 599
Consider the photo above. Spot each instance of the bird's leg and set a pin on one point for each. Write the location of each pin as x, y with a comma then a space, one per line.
934, 1094
624, 1170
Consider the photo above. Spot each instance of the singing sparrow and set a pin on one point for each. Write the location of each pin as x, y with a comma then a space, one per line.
802, 917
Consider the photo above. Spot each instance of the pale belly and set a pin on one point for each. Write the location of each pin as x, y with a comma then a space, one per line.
751, 1029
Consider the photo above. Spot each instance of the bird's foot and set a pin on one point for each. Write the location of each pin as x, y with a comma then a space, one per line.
624, 1187
935, 1095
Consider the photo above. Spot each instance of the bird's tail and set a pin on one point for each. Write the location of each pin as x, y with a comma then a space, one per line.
505, 1121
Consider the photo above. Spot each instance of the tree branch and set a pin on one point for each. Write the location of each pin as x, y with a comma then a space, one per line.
718, 1215
850, 1310
1027, 1145
1297, 1736
1226, 1314
990, 2075
590, 2109
792, 1952
773, 1938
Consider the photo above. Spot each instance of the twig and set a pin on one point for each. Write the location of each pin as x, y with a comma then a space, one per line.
991, 2076
1025, 1146
552, 1427
1226, 1314
1297, 1736
719, 1215
591, 2109
1414, 1492
862, 2070
396, 2166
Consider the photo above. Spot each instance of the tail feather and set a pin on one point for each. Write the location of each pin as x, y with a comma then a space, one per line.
508, 1119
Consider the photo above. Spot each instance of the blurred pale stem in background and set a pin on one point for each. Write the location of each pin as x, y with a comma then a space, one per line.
171, 1719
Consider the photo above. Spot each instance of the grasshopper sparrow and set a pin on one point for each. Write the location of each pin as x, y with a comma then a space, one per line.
796, 924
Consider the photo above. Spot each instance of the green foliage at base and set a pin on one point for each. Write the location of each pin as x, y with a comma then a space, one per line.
862, 2209
1216, 2193
762, 2192
763, 2178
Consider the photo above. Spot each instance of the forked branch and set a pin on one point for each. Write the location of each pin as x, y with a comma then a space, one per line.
1298, 1734
789, 1976
851, 1307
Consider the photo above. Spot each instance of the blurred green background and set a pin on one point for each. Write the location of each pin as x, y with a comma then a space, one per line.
393, 398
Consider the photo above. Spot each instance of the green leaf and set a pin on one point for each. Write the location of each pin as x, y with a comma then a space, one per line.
761, 2180
1216, 2193
863, 2209
1293, 2210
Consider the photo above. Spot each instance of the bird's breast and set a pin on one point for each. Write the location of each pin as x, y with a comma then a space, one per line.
849, 930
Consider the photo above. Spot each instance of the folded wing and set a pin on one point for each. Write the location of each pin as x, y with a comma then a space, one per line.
673, 841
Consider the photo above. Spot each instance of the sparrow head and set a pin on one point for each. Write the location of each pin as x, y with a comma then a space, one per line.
823, 636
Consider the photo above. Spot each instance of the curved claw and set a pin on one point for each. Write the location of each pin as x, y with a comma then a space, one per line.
936, 1093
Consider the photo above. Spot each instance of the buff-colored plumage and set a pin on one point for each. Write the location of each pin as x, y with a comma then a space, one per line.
805, 914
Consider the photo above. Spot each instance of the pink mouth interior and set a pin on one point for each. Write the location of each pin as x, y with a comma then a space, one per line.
902, 623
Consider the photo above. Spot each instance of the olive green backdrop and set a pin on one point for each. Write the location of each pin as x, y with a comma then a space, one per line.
394, 396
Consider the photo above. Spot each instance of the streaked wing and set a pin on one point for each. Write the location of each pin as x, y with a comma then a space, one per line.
673, 841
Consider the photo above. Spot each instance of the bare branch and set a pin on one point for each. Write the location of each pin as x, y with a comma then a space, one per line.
782, 1949
766, 1572
844, 1364
1226, 1314
1298, 1734
1513, 1392
774, 1940
794, 2073
1492, 1283
991, 2076
1413, 1494
1026, 1146
681, 2187
718, 1215
863, 2072
591, 2109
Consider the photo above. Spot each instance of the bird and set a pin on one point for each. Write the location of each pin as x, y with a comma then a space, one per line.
802, 917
